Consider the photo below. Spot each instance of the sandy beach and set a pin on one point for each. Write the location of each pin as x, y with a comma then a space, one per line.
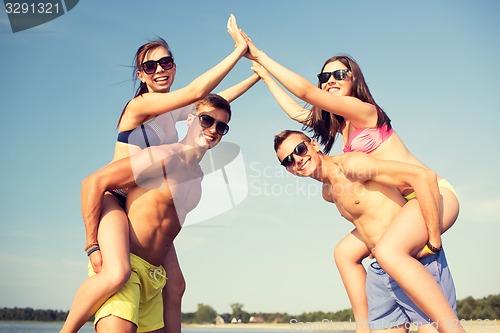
472, 326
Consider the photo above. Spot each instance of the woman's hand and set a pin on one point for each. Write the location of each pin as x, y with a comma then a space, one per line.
253, 52
234, 31
260, 70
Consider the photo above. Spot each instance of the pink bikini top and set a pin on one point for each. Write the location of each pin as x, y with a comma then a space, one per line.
366, 140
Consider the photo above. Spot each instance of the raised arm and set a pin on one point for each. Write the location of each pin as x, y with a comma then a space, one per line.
158, 103
143, 167
402, 175
232, 93
351, 108
293, 109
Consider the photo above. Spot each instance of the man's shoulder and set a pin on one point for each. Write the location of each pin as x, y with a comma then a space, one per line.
351, 161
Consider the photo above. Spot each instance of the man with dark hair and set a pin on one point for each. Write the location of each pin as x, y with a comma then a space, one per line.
367, 192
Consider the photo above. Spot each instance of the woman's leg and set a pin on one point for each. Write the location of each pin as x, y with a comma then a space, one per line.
449, 211
449, 208
172, 293
404, 238
401, 329
429, 328
113, 237
348, 255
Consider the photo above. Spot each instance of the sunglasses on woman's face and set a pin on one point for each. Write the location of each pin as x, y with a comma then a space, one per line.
207, 121
299, 150
149, 67
339, 75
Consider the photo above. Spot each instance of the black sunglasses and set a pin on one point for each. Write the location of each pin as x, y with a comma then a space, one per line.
339, 75
299, 150
149, 67
207, 121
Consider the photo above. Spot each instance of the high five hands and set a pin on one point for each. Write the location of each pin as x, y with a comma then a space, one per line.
234, 31
239, 36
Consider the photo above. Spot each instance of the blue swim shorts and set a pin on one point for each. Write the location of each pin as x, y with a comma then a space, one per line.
388, 305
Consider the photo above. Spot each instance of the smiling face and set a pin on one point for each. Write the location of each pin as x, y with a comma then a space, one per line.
161, 80
207, 137
337, 87
305, 159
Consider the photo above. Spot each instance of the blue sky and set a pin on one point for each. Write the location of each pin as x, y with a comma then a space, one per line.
432, 65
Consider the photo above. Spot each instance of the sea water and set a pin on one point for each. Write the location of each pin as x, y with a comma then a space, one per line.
37, 327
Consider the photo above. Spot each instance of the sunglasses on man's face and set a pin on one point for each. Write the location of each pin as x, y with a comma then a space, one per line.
339, 75
207, 121
149, 67
299, 150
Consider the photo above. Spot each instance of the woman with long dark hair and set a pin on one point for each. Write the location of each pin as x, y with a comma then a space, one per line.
342, 104
152, 113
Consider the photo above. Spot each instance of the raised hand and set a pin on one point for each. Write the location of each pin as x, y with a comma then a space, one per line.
234, 31
260, 70
253, 52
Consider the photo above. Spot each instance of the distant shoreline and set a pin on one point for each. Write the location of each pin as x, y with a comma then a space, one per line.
471, 326
280, 326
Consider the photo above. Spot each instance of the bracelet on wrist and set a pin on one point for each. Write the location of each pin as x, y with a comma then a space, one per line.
92, 250
433, 248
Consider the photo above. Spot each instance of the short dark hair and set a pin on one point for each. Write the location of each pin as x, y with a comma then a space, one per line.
283, 135
215, 101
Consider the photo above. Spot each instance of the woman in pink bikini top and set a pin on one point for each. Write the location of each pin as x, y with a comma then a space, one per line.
367, 139
342, 104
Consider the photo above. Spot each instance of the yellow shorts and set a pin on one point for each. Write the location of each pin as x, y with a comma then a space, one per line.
441, 183
139, 300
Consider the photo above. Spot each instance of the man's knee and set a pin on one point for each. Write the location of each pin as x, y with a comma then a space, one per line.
176, 286
115, 324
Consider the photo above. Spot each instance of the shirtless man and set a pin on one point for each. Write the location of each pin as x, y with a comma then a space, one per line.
367, 192
164, 184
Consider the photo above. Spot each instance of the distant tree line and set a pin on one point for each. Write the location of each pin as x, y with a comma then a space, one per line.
31, 314
468, 308
486, 308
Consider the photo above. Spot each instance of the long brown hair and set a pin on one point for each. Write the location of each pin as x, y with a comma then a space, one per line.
137, 65
326, 125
